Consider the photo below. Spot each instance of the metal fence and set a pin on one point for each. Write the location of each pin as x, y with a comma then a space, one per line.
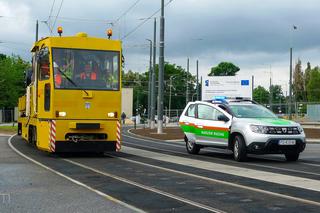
8, 115
300, 111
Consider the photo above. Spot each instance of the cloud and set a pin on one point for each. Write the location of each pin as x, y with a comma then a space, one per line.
251, 33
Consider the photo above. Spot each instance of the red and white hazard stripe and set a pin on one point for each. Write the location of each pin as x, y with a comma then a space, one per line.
118, 143
52, 135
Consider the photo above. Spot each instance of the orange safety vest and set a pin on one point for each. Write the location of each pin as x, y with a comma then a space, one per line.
58, 79
93, 76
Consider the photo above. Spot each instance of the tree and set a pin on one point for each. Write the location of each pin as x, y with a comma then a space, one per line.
313, 90
298, 82
139, 83
11, 80
306, 78
277, 98
261, 95
224, 69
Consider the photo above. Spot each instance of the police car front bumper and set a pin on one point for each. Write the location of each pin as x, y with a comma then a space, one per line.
272, 146
270, 143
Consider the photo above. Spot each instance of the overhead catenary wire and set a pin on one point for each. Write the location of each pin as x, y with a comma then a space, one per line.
54, 23
144, 21
51, 10
126, 12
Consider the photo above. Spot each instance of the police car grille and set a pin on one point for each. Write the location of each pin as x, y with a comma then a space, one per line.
283, 130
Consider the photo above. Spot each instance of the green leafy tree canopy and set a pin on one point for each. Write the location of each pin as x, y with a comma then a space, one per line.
261, 95
224, 69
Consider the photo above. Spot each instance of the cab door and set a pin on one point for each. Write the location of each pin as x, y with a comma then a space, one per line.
209, 128
44, 83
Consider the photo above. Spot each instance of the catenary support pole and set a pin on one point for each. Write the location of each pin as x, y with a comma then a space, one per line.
37, 30
290, 87
161, 71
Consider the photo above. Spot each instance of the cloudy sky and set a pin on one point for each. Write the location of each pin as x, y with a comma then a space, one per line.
255, 35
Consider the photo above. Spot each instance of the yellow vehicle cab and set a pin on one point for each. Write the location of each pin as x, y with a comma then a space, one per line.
73, 95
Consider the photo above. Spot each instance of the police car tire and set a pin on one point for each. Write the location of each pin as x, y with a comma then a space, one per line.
239, 149
292, 156
192, 148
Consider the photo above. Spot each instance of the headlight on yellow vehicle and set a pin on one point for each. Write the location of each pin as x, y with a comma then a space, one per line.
61, 114
112, 114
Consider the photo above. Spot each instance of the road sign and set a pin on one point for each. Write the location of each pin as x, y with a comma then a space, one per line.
229, 86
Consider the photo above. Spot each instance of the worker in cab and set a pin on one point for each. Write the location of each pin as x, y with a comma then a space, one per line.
88, 73
57, 75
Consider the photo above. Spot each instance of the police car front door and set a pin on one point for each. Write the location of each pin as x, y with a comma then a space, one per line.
209, 130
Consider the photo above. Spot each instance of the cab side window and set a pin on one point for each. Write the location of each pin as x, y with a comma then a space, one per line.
208, 113
191, 112
44, 64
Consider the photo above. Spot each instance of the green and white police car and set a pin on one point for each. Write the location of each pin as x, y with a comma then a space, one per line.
242, 126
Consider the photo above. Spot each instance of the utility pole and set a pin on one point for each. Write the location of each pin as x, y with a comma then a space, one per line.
187, 78
161, 71
149, 84
153, 80
197, 80
37, 30
201, 87
290, 77
290, 86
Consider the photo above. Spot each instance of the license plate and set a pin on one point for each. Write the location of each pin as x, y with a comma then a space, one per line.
287, 142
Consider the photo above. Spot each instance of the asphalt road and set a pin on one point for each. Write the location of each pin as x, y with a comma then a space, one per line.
156, 176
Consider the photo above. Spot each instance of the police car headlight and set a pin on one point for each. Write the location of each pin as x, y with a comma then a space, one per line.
300, 129
259, 129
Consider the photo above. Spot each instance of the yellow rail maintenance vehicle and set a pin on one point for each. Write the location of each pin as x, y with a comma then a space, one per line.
73, 94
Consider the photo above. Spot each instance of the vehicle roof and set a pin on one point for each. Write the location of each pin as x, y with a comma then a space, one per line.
78, 41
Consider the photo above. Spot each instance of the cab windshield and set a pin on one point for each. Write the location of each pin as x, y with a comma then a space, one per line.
251, 111
85, 69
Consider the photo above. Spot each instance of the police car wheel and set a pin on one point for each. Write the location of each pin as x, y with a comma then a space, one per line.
192, 147
239, 149
292, 156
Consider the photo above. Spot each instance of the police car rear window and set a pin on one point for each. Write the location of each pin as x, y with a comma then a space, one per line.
191, 111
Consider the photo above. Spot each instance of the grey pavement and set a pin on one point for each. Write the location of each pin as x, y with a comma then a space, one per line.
26, 187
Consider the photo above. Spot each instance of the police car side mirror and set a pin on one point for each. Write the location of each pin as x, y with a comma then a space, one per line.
223, 118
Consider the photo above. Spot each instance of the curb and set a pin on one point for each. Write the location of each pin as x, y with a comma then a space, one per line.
149, 138
5, 135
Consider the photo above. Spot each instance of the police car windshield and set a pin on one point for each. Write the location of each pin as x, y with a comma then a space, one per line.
87, 69
251, 111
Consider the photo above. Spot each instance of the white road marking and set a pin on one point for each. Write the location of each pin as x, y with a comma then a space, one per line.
228, 161
106, 196
287, 180
310, 202
310, 164
184, 200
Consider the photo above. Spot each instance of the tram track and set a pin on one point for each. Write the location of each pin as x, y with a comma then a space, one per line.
125, 170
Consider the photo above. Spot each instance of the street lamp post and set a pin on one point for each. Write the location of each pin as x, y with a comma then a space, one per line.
290, 77
194, 95
153, 78
171, 77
